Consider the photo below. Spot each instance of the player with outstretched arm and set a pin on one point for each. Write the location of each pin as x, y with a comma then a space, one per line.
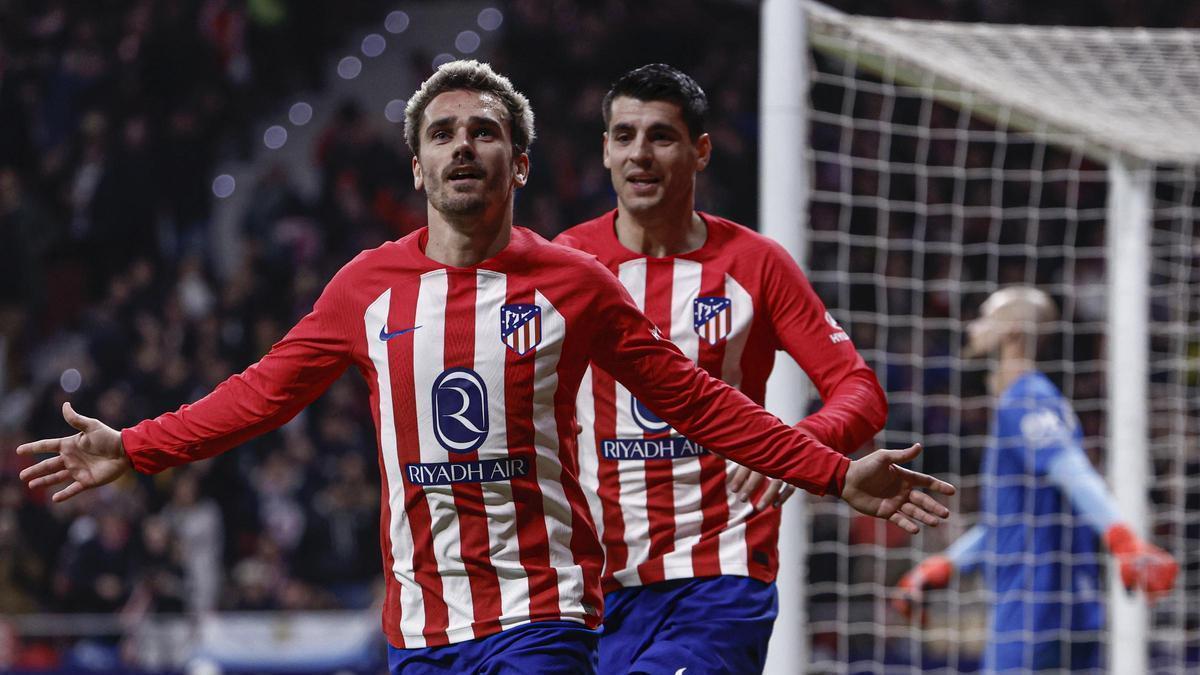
1044, 507
473, 335
691, 539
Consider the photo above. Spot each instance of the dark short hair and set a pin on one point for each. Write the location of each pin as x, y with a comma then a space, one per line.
660, 82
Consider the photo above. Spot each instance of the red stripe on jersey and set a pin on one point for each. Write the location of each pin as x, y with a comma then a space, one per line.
526, 495
604, 393
468, 497
660, 491
585, 544
416, 506
713, 490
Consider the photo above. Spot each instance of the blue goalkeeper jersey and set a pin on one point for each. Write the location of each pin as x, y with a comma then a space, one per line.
1040, 557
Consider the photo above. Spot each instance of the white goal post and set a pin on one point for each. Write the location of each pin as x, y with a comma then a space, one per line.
943, 161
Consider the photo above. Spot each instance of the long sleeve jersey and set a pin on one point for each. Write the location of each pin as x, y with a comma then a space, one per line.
1044, 510
473, 373
659, 499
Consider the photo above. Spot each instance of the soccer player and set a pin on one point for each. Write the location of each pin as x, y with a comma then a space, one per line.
691, 540
473, 336
1044, 507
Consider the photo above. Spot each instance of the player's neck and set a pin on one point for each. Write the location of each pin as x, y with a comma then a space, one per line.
463, 242
661, 235
1008, 370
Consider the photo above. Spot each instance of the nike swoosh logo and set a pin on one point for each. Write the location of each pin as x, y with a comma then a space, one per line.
680, 671
385, 335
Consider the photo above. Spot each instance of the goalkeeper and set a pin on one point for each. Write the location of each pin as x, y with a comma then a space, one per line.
1043, 507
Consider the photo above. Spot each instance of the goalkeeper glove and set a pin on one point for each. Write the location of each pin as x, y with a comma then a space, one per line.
933, 572
1143, 565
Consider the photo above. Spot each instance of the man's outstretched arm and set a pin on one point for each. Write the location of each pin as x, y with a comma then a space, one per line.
724, 421
263, 397
1143, 565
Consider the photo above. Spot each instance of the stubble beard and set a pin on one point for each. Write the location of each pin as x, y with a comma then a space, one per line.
445, 199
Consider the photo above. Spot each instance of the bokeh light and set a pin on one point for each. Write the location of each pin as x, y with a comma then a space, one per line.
396, 22
70, 380
373, 45
223, 186
300, 113
467, 42
349, 67
394, 110
490, 18
274, 137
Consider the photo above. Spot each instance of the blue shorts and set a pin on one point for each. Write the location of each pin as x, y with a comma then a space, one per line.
558, 647
713, 625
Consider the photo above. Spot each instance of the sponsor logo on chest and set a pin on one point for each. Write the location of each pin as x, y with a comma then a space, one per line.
460, 410
484, 471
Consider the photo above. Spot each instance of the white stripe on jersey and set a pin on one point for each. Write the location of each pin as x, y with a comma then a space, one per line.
428, 362
491, 289
589, 460
412, 608
685, 288
555, 506
732, 548
632, 474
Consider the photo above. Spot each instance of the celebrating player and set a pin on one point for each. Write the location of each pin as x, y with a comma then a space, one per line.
1044, 506
473, 336
691, 540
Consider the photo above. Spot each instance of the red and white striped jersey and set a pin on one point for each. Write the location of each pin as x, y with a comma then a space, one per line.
660, 501
473, 373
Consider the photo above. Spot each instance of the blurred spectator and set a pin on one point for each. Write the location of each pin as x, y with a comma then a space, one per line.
160, 585
195, 521
339, 549
22, 572
98, 563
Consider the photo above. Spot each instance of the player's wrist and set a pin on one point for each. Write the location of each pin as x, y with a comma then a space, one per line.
837, 485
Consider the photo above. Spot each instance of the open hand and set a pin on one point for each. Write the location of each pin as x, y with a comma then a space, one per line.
878, 486
89, 459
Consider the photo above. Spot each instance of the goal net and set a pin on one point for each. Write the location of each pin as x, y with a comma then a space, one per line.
948, 160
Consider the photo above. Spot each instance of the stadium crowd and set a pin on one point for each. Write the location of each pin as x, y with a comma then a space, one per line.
112, 118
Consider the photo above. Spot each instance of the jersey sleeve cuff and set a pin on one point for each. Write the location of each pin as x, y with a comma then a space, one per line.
145, 459
838, 482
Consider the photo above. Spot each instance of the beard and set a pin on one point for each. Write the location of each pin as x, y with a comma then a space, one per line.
455, 200
449, 201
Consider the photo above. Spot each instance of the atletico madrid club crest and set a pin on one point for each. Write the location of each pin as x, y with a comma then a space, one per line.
521, 327
712, 318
